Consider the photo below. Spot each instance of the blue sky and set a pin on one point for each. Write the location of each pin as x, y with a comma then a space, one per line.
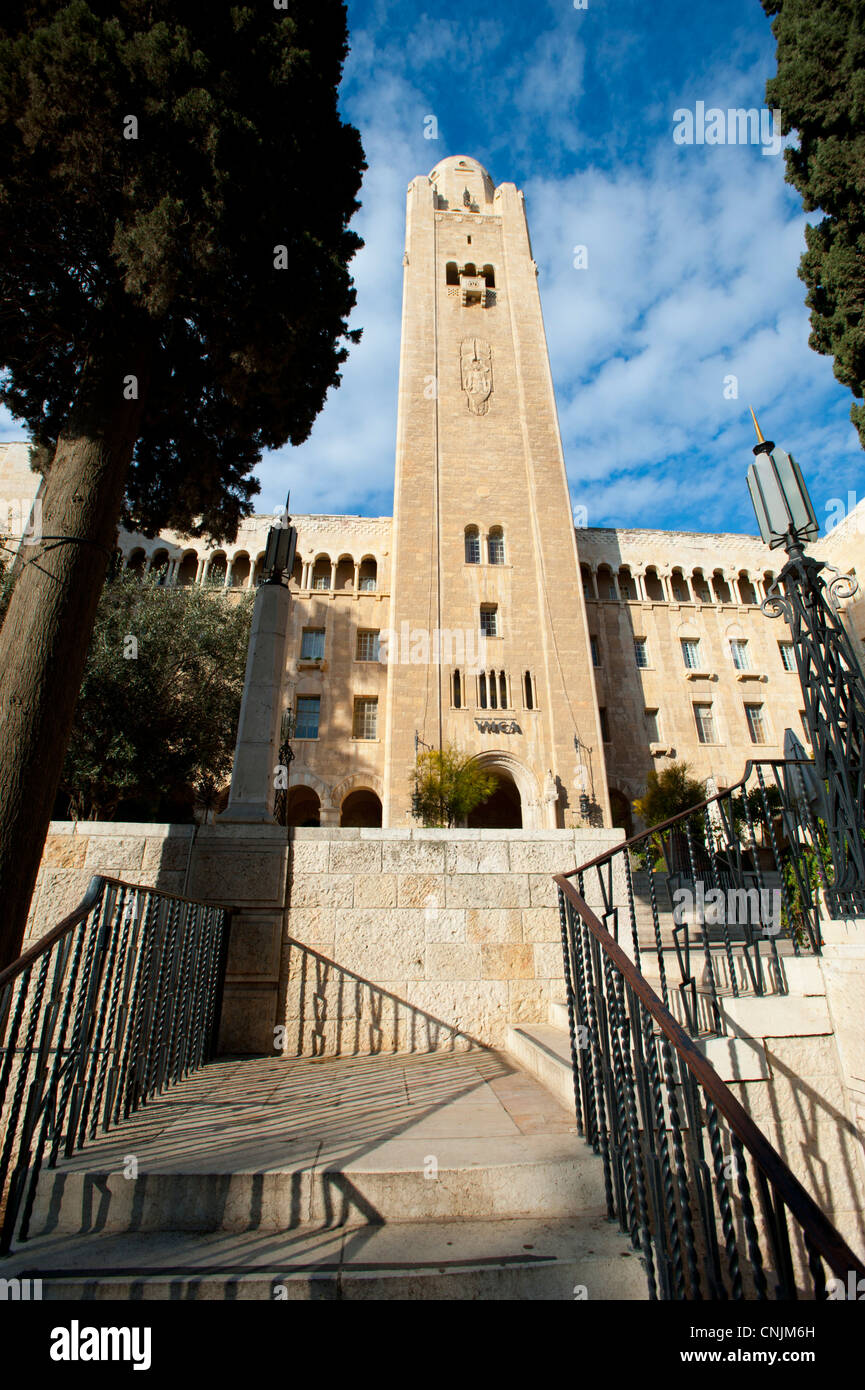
692, 252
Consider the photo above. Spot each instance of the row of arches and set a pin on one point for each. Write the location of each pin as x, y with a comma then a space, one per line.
454, 271
218, 570
339, 573
360, 807
678, 585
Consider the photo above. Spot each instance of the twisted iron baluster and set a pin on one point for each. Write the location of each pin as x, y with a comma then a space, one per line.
569, 997
659, 944
755, 1254
669, 1191
622, 1146
722, 1193
599, 1107
710, 969
713, 870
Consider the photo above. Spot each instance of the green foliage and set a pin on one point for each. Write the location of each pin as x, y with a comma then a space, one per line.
5, 577
820, 90
155, 256
448, 785
157, 728
806, 859
668, 794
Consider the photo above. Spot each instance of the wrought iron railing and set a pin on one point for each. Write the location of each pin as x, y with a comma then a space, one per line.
710, 903
704, 1197
113, 1006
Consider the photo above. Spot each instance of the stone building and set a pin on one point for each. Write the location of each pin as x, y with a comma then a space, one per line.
568, 661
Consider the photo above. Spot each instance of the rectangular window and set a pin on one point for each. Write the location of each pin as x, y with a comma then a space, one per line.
691, 653
756, 723
653, 725
308, 707
641, 652
739, 653
312, 644
530, 691
605, 726
365, 723
367, 584
705, 719
596, 654
367, 646
489, 620
321, 581
788, 660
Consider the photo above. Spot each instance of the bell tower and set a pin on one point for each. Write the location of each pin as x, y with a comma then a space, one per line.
484, 554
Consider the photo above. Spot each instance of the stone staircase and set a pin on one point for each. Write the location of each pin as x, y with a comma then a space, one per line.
444, 1176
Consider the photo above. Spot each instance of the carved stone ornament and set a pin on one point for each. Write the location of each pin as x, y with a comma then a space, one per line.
476, 372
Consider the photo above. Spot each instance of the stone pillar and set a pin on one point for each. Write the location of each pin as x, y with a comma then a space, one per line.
332, 575
356, 576
251, 798
229, 566
304, 578
200, 572
735, 593
640, 584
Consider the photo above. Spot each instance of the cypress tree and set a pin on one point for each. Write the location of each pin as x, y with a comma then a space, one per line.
176, 185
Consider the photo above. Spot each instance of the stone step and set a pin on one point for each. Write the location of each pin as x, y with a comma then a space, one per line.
434, 1180
544, 1051
469, 1259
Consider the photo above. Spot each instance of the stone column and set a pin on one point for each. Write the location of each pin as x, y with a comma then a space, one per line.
733, 581
201, 570
332, 575
251, 798
304, 578
229, 566
357, 576
640, 584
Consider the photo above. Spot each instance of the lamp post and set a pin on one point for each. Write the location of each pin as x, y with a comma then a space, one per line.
832, 680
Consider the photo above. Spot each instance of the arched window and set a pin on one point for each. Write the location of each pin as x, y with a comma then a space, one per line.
368, 577
457, 690
529, 689
503, 690
490, 276
321, 573
482, 690
496, 546
470, 269
473, 546
452, 275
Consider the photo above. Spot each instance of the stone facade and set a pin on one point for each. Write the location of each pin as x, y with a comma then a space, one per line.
610, 651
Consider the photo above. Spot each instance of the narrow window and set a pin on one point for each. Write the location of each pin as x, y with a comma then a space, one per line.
457, 687
596, 654
756, 724
605, 727
496, 546
490, 276
365, 723
788, 660
482, 690
473, 546
530, 694
489, 620
739, 653
367, 646
691, 653
312, 644
491, 686
503, 690
705, 720
452, 275
653, 726
306, 720
641, 652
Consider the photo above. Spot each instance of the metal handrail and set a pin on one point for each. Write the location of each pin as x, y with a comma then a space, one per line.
697, 809
116, 1003
657, 1178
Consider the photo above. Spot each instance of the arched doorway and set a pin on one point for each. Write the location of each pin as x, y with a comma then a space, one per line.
503, 811
304, 807
621, 812
361, 808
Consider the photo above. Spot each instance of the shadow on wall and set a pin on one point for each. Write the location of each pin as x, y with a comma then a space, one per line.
331, 1012
815, 1138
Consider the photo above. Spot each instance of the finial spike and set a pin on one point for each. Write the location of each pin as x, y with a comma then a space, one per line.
760, 439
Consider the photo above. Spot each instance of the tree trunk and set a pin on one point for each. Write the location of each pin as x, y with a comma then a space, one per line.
44, 642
